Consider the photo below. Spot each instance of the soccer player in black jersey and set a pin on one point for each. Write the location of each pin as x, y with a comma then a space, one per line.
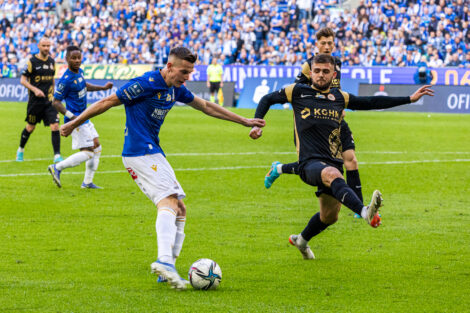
318, 111
38, 77
325, 44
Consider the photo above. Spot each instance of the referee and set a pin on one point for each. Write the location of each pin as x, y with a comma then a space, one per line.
38, 77
214, 79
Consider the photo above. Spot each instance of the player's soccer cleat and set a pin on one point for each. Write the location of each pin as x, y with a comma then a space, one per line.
373, 217
305, 251
357, 215
55, 174
169, 271
19, 156
58, 159
161, 279
90, 186
272, 175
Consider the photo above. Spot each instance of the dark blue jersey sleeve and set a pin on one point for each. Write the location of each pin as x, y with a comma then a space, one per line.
134, 91
182, 94
62, 89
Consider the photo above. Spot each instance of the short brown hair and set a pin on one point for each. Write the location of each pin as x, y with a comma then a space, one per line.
325, 32
183, 53
323, 58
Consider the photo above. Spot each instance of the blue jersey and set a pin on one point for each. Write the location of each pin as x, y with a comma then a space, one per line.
72, 89
147, 100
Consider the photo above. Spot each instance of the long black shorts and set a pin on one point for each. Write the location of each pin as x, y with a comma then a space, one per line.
214, 87
41, 111
310, 173
346, 137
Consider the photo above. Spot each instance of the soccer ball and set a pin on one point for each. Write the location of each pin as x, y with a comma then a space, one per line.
205, 274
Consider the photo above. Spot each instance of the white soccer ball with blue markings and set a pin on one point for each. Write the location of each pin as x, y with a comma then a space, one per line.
205, 274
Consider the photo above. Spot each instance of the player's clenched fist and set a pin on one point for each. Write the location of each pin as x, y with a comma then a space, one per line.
66, 129
256, 132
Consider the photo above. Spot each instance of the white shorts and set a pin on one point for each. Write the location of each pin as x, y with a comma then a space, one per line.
83, 135
154, 176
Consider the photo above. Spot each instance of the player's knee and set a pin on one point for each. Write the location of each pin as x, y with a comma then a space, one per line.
329, 217
30, 128
350, 160
182, 208
329, 174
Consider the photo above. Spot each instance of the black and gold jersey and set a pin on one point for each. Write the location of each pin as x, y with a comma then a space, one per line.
317, 117
304, 76
41, 75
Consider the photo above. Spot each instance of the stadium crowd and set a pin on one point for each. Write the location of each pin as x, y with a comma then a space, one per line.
255, 32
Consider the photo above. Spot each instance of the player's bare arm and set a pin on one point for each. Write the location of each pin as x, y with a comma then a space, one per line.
58, 105
217, 111
37, 92
95, 109
91, 87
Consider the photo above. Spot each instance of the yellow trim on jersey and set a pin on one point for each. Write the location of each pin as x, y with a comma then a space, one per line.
288, 90
346, 98
306, 70
297, 142
39, 57
30, 66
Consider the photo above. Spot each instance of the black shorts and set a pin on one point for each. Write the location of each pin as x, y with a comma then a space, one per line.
214, 86
38, 112
347, 140
310, 173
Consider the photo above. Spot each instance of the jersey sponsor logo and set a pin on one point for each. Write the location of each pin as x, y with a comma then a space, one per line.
331, 97
132, 173
160, 114
45, 66
135, 90
82, 93
304, 96
305, 113
319, 95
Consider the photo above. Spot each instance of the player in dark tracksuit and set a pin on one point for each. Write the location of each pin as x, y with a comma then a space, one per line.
325, 44
318, 111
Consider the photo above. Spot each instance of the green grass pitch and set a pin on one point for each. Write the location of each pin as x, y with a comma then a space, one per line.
74, 250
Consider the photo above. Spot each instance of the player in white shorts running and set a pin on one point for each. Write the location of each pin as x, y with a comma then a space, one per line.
73, 88
147, 100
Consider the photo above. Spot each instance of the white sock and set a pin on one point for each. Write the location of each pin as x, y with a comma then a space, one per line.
301, 241
179, 238
92, 166
166, 232
279, 168
20, 149
74, 160
364, 212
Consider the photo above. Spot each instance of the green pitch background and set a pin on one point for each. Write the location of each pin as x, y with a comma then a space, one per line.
74, 250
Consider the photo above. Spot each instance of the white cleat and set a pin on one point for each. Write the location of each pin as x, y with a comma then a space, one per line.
305, 251
373, 217
169, 272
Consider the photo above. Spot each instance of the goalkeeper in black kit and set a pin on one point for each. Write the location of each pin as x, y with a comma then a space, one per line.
317, 117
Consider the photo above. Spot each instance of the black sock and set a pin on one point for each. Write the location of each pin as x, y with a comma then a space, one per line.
55, 137
314, 227
24, 138
344, 194
290, 168
354, 182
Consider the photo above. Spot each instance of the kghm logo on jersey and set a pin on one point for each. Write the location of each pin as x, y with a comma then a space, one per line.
160, 114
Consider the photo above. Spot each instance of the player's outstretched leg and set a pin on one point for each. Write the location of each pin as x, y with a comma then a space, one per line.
55, 174
301, 244
273, 174
373, 217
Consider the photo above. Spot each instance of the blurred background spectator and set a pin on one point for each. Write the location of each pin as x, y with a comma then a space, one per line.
263, 32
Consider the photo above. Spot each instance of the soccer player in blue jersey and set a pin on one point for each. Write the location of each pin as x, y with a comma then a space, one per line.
73, 88
147, 100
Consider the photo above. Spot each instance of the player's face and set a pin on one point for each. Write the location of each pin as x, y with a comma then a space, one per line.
74, 60
325, 45
179, 71
322, 75
44, 47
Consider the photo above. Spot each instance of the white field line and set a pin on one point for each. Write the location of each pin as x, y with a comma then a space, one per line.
227, 168
262, 152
